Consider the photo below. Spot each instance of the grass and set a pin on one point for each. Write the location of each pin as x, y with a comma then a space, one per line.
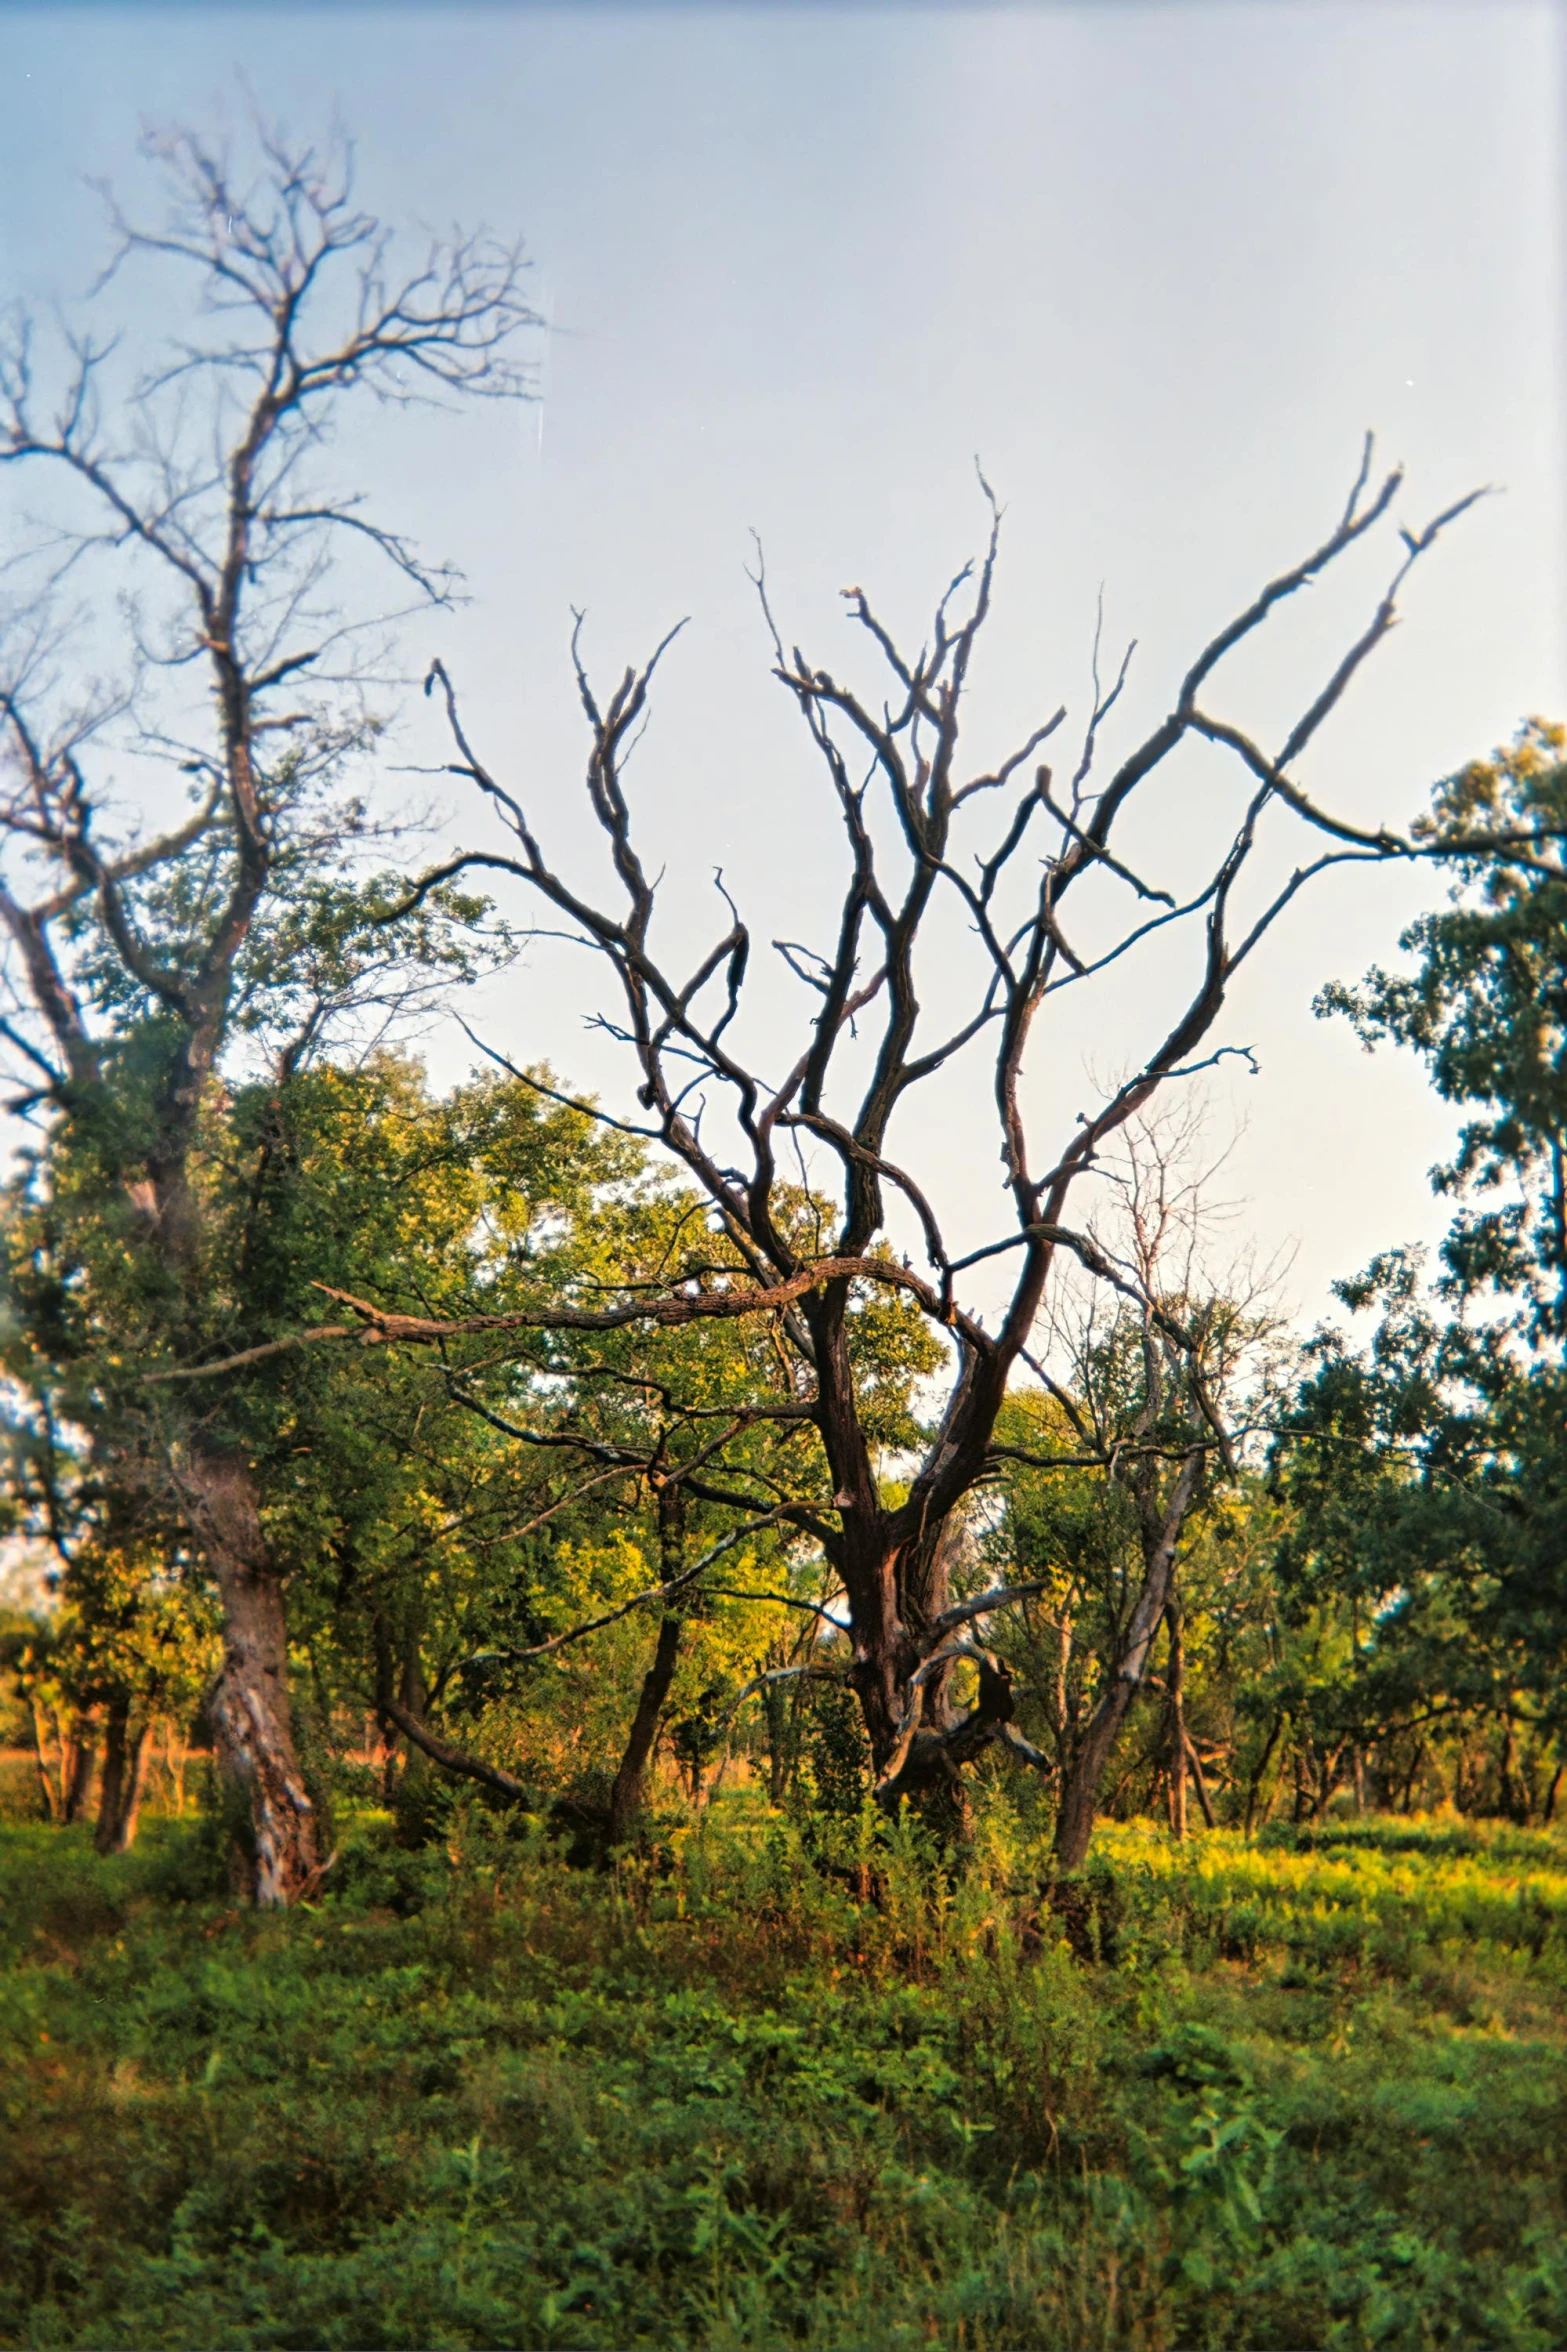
1304, 2092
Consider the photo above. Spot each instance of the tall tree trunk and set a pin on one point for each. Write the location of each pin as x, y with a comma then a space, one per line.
106, 1830
404, 1780
1080, 1782
918, 1577
175, 1757
124, 1777
277, 1861
1327, 1780
1062, 1713
777, 1705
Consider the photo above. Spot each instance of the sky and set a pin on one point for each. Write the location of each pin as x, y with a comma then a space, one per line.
1158, 267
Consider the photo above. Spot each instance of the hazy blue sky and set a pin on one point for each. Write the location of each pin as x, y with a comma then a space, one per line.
1160, 267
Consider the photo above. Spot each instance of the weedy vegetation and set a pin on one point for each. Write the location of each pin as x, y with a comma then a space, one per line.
748, 2089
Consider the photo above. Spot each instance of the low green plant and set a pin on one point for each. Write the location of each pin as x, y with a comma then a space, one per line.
737, 2093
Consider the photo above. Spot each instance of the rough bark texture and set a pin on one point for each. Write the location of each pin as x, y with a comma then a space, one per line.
913, 1584
278, 1860
1080, 1782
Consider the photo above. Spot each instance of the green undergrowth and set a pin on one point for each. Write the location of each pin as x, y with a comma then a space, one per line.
1304, 2092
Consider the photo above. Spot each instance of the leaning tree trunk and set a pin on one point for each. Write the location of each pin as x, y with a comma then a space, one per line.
629, 1793
276, 1858
1078, 1808
1083, 1774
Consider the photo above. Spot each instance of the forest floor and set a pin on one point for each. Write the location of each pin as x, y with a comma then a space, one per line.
1304, 2092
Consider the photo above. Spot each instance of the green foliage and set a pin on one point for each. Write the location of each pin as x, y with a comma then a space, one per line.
839, 1754
1486, 1009
727, 2099
1426, 1468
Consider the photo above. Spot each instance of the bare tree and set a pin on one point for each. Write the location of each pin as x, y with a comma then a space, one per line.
202, 486
892, 775
1165, 1376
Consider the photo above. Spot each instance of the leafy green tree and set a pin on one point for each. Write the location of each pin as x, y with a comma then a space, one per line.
132, 1644
196, 496
450, 1519
1486, 1010
1428, 1468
